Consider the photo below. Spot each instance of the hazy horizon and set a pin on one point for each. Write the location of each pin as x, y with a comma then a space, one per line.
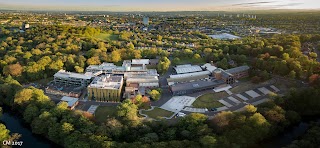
164, 5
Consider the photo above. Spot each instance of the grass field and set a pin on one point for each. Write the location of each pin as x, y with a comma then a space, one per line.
209, 100
191, 61
158, 113
104, 112
107, 37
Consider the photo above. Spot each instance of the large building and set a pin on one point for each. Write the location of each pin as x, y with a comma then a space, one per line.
70, 78
191, 79
195, 86
145, 20
239, 72
106, 88
143, 81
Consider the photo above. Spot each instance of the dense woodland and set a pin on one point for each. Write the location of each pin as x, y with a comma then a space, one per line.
41, 51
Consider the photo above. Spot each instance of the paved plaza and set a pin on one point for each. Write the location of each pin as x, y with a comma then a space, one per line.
274, 88
195, 110
225, 103
234, 100
176, 104
242, 97
264, 90
252, 94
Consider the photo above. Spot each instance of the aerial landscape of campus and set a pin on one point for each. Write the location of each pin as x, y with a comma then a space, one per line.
160, 74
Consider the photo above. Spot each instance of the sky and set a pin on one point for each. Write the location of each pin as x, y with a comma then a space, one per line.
158, 5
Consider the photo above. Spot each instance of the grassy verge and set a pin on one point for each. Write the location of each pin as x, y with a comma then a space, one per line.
158, 113
209, 100
104, 112
190, 61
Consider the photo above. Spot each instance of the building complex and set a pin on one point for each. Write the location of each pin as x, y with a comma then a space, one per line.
105, 82
190, 79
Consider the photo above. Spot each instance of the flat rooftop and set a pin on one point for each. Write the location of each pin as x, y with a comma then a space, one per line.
70, 100
201, 73
181, 69
209, 67
237, 69
65, 74
140, 61
107, 82
224, 36
196, 85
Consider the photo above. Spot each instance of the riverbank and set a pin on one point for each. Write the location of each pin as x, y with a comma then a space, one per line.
15, 124
290, 134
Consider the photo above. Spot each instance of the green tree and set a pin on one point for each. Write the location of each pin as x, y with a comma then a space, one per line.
128, 112
115, 56
155, 95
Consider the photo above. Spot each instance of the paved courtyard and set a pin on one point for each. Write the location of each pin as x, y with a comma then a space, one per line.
274, 88
264, 90
242, 97
252, 94
176, 104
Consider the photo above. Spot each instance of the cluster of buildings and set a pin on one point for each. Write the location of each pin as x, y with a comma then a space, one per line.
108, 82
192, 78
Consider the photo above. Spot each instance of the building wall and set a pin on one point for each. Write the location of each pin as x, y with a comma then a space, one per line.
72, 81
104, 95
242, 74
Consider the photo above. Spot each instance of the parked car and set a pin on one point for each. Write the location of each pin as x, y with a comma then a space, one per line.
214, 109
180, 114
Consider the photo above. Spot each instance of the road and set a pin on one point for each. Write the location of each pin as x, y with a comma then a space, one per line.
166, 94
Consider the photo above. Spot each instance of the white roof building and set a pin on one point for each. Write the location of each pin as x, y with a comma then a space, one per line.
224, 36
209, 67
107, 82
140, 61
70, 100
67, 75
188, 68
201, 73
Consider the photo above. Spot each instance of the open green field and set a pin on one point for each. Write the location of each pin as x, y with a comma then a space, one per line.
107, 37
210, 100
191, 61
104, 112
158, 113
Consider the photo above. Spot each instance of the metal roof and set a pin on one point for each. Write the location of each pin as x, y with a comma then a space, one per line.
65, 74
196, 85
70, 100
237, 69
201, 73
181, 69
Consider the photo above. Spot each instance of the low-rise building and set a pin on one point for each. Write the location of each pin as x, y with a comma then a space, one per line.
71, 78
72, 102
106, 88
195, 86
239, 72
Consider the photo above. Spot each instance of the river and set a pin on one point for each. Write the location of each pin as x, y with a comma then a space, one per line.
289, 135
16, 125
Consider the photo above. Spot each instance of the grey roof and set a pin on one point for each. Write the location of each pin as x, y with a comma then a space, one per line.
196, 85
237, 69
70, 100
66, 74
107, 82
186, 79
